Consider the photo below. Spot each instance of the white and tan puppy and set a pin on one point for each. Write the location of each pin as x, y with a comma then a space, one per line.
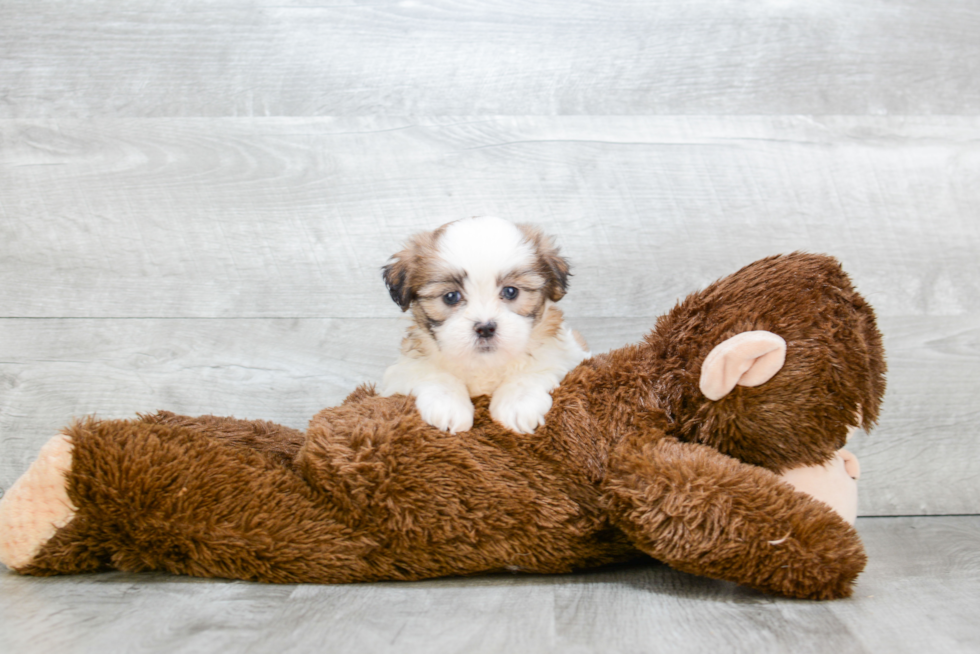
482, 293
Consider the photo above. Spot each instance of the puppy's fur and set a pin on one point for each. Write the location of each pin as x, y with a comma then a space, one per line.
482, 293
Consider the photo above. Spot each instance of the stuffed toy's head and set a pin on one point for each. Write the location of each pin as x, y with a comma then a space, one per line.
774, 374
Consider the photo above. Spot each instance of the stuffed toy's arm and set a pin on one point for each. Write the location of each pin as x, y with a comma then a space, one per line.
708, 514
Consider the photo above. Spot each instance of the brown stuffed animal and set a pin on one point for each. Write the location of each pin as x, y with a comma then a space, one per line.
670, 448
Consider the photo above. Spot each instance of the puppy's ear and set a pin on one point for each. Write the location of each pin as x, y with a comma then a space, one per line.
405, 271
552, 265
396, 276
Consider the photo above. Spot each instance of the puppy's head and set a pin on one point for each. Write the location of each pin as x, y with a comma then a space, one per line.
478, 287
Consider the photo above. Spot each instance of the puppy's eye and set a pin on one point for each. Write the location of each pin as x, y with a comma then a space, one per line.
509, 293
452, 297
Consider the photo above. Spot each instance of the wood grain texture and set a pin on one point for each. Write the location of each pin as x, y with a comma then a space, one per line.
279, 370
926, 444
643, 607
922, 458
137, 58
294, 217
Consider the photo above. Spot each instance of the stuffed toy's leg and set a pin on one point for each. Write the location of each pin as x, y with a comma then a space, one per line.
705, 513
137, 495
37, 505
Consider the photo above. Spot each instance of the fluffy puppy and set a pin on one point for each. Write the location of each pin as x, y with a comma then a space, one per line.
482, 293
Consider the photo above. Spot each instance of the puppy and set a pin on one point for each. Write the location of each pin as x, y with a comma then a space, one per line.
482, 293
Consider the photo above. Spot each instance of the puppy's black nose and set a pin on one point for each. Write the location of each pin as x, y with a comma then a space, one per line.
486, 329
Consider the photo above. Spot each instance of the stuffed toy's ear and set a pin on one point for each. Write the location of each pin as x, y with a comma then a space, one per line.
746, 359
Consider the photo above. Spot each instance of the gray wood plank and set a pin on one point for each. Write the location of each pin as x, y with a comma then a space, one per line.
294, 217
640, 607
927, 438
281, 370
922, 458
437, 57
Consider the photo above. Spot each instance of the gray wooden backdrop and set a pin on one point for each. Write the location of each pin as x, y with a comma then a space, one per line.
196, 199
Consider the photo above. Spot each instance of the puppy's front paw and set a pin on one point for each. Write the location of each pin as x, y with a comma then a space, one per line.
520, 408
447, 409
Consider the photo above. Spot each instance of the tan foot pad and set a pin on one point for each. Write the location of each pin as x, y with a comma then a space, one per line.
37, 505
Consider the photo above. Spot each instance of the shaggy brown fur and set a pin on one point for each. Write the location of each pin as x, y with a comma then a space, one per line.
632, 459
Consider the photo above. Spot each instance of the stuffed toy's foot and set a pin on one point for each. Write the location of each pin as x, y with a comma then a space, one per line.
37, 504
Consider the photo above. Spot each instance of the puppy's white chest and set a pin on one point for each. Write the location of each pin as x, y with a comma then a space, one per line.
485, 382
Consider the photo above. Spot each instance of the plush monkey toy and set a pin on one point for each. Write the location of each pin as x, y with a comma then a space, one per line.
672, 448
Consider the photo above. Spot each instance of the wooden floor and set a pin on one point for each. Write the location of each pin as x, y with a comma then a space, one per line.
196, 199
